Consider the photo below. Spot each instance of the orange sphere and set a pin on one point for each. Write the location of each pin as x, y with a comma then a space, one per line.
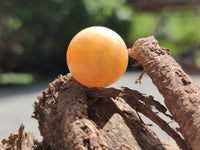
97, 57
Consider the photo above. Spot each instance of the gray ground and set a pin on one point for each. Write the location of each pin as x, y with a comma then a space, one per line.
16, 104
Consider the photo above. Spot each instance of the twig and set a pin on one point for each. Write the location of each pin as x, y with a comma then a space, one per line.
20, 135
138, 80
149, 101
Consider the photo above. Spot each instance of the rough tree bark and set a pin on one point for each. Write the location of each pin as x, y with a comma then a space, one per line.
182, 95
72, 116
143, 104
20, 141
71, 119
63, 120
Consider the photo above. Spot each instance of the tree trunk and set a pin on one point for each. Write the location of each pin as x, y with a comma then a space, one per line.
182, 95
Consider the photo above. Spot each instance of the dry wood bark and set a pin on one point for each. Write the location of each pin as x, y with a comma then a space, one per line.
20, 141
71, 118
147, 141
182, 95
143, 104
99, 110
63, 119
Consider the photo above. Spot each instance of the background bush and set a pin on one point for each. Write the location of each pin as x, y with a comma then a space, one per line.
34, 35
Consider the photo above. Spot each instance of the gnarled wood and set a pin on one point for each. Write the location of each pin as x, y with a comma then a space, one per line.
144, 105
63, 120
20, 141
182, 95
71, 118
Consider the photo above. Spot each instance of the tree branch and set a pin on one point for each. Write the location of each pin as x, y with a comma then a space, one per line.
182, 95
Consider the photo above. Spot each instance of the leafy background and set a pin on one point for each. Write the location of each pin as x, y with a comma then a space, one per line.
34, 34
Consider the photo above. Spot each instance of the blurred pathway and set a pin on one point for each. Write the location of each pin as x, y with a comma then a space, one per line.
16, 104
16, 107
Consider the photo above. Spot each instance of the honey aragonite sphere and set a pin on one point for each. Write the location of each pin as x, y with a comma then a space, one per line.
97, 57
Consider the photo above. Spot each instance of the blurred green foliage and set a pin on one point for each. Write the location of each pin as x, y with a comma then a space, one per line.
176, 30
16, 78
34, 35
